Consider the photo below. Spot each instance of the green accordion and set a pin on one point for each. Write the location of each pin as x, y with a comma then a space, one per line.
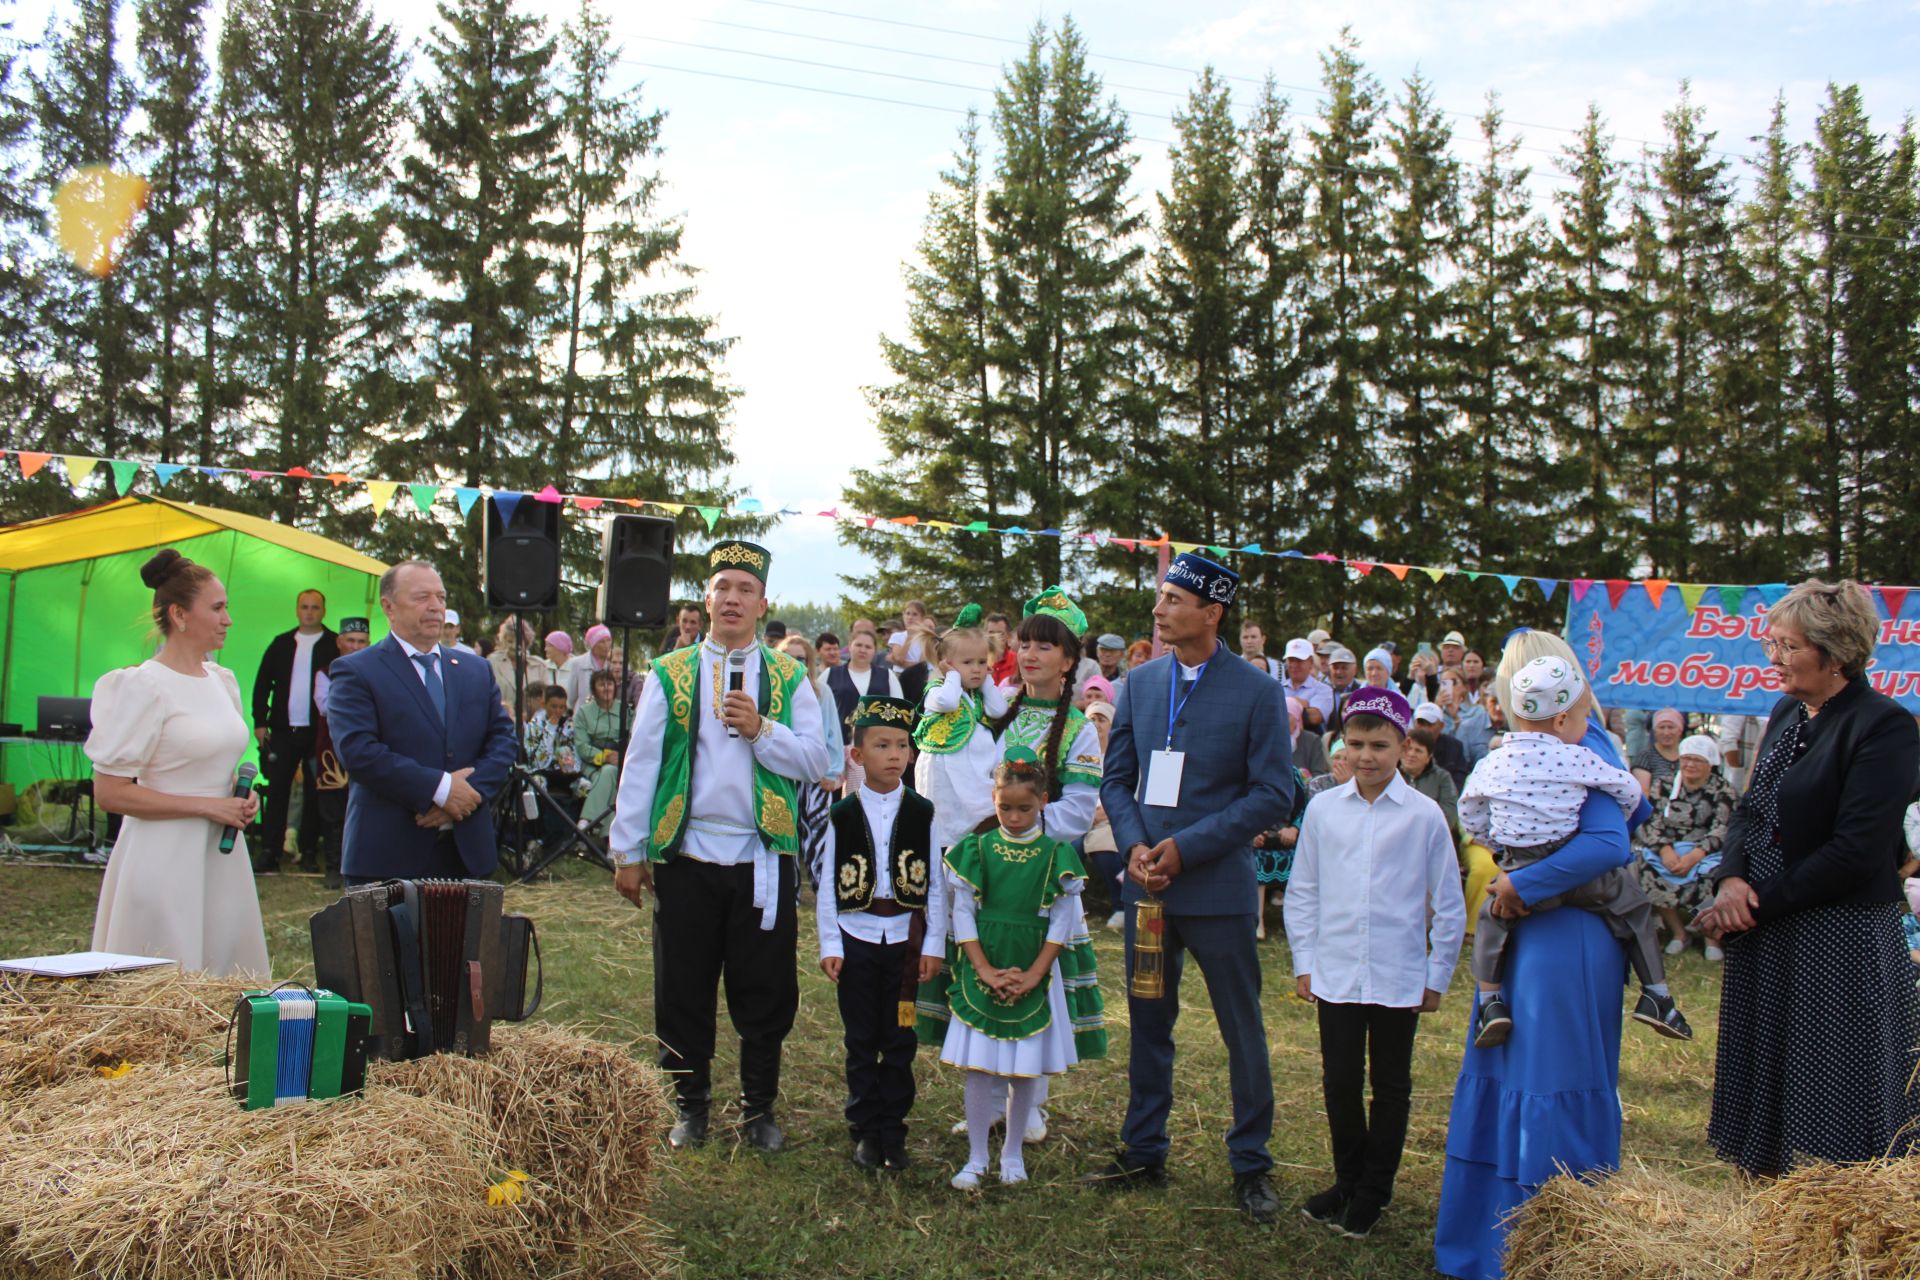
293, 1044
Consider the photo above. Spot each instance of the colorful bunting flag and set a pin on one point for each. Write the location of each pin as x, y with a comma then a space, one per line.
30, 463
423, 496
301, 473
909, 521
381, 492
1511, 581
1399, 571
78, 469
1129, 543
504, 501
1580, 588
1893, 598
1772, 592
547, 494
164, 472
1732, 599
1435, 574
587, 504
124, 472
466, 496
1690, 594
1656, 588
1616, 588
1362, 567
1547, 587
712, 516
748, 506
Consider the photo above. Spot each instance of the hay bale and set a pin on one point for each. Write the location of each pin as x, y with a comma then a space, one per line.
55, 1031
160, 1174
1633, 1224
1859, 1220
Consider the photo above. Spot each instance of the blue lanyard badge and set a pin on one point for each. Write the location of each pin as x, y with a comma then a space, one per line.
1173, 687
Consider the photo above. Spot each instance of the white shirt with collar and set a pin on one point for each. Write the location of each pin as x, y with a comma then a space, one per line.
882, 810
440, 792
720, 818
1364, 878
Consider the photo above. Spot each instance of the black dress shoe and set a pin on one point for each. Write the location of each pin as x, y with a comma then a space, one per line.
762, 1134
1329, 1206
895, 1158
1255, 1195
1358, 1221
1123, 1173
689, 1131
866, 1153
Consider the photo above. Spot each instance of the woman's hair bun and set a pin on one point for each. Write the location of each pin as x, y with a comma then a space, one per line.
165, 563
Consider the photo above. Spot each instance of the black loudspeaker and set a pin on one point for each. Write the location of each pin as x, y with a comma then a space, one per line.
637, 586
523, 555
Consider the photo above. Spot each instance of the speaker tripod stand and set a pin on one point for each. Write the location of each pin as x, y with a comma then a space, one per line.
578, 841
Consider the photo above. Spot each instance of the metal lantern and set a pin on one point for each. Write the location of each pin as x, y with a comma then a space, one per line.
1149, 950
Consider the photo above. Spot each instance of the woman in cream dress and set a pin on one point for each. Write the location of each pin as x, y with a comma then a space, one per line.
166, 737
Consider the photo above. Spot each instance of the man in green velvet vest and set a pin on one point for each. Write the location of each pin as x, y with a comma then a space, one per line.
707, 819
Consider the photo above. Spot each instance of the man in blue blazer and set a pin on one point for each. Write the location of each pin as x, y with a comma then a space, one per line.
425, 742
1199, 761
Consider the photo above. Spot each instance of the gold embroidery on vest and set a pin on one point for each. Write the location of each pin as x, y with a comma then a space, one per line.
669, 821
776, 816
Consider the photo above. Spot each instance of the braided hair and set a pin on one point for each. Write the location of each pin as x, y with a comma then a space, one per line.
1044, 628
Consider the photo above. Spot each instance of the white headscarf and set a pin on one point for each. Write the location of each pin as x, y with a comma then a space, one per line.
1704, 747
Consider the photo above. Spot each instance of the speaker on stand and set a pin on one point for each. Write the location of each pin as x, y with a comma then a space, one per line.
523, 555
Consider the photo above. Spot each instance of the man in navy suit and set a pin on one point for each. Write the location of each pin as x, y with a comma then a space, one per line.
1199, 762
425, 742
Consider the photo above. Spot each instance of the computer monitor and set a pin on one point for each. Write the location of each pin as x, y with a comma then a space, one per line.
68, 719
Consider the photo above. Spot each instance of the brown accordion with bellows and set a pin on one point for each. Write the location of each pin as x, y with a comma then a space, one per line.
435, 960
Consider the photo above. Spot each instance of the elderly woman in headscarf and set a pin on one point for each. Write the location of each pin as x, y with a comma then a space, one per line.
1659, 760
1680, 845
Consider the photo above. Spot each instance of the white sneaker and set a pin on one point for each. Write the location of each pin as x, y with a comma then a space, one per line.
1675, 947
1117, 921
968, 1179
1714, 953
1037, 1131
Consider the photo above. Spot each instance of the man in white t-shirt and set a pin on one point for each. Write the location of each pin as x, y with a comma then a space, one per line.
283, 724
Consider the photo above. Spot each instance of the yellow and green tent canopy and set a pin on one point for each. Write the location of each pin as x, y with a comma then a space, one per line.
73, 607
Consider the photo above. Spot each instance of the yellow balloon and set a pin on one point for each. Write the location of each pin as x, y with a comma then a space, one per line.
93, 212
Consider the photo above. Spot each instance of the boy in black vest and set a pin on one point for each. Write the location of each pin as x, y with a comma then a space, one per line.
882, 917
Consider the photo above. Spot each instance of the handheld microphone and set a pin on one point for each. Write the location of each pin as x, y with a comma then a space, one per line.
736, 679
242, 784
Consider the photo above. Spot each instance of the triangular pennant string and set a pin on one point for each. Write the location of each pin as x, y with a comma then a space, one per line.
1893, 598
1656, 588
1772, 592
547, 494
587, 504
1616, 590
1732, 598
1435, 574
1547, 587
1362, 567
466, 496
163, 472
423, 496
30, 463
1580, 587
124, 472
1399, 571
1511, 581
504, 503
1691, 593
711, 515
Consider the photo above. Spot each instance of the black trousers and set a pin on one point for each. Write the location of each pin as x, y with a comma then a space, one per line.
1358, 1041
332, 808
879, 1049
286, 751
706, 931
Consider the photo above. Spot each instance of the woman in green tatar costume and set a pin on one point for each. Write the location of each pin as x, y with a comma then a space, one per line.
1025, 994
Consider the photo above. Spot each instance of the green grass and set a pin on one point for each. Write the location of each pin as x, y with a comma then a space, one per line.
808, 1212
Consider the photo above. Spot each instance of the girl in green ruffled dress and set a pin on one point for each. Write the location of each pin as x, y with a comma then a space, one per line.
1025, 995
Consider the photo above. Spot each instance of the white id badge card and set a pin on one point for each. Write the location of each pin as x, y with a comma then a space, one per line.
1163, 777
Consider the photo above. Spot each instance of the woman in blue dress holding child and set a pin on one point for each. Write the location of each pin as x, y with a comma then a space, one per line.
1548, 1099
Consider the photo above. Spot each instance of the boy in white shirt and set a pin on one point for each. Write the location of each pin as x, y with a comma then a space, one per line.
1523, 801
1375, 919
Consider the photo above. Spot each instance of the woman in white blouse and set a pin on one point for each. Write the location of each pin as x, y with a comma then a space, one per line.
166, 737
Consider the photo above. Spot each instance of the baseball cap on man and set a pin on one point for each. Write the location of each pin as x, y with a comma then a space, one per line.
1430, 712
1318, 637
1300, 649
1341, 654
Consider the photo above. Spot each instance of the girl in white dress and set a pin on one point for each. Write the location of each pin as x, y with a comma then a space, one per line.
166, 737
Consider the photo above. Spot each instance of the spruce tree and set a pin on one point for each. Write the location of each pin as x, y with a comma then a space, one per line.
1340, 329
1427, 478
1199, 282
1064, 252
22, 350
1584, 305
95, 335
938, 416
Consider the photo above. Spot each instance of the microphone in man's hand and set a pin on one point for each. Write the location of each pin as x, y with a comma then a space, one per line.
736, 679
242, 785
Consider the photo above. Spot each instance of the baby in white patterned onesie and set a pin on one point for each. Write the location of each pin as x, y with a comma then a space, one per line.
1523, 801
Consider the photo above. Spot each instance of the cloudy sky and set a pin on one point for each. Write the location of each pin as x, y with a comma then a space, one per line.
801, 205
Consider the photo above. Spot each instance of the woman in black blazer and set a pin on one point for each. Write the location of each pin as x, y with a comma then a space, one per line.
1819, 1019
